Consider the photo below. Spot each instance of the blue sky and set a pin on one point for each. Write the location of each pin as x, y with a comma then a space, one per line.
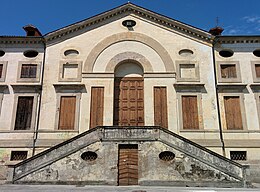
237, 17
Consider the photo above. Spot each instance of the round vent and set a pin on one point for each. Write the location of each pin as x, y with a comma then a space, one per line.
257, 52
166, 155
2, 53
71, 52
129, 23
89, 156
185, 52
30, 53
226, 53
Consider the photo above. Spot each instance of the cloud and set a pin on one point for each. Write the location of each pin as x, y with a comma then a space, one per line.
251, 19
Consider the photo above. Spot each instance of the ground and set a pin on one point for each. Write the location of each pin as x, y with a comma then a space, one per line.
68, 188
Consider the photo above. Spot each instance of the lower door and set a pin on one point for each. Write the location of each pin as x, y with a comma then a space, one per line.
128, 165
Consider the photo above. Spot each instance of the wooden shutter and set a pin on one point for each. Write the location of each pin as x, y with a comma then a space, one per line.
28, 71
67, 112
228, 71
233, 112
257, 70
190, 112
160, 107
24, 113
97, 106
1, 70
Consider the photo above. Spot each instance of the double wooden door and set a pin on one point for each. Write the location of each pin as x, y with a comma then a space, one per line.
128, 165
129, 101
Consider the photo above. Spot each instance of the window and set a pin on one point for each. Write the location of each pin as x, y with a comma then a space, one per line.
1, 70
228, 71
238, 155
190, 118
28, 71
24, 113
67, 113
233, 113
70, 71
257, 70
18, 155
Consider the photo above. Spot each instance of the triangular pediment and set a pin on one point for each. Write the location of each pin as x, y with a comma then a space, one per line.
130, 9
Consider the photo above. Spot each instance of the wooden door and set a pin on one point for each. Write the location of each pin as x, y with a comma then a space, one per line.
190, 112
160, 107
97, 106
128, 165
67, 112
233, 112
129, 101
24, 113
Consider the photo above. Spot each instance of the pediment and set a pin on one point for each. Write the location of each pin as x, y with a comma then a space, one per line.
124, 10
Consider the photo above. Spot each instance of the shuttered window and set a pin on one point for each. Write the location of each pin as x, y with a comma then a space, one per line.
97, 106
28, 71
1, 70
233, 112
190, 112
24, 113
67, 113
228, 71
160, 107
257, 70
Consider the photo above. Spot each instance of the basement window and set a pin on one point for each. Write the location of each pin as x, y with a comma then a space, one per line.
18, 155
238, 155
89, 156
166, 155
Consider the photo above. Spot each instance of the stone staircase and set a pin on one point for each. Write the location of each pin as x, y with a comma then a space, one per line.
129, 134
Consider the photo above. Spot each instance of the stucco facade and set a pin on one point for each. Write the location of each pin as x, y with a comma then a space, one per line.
183, 60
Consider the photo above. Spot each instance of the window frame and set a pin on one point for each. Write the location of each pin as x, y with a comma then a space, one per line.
200, 112
3, 76
255, 78
187, 62
77, 111
242, 109
70, 62
229, 80
34, 110
38, 71
257, 98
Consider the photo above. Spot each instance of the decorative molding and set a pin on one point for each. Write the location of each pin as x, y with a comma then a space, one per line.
21, 40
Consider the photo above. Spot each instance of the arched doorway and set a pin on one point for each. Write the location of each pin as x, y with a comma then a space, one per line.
128, 95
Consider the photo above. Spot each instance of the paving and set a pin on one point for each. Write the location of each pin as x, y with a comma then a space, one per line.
68, 188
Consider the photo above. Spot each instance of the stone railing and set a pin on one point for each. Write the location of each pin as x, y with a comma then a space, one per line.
111, 134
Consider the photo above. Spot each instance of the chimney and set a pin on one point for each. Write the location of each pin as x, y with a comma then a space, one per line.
216, 31
32, 31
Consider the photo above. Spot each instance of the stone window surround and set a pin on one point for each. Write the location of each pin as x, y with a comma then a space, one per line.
37, 79
77, 111
222, 111
257, 98
229, 80
34, 110
255, 79
4, 63
200, 112
178, 69
1, 100
70, 62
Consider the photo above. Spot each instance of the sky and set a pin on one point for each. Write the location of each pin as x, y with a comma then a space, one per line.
237, 17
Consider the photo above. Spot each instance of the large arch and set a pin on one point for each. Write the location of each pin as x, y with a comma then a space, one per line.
129, 56
128, 36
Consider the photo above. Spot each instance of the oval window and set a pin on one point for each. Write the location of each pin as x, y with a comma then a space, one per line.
257, 52
30, 53
226, 53
89, 156
166, 155
71, 52
2, 53
185, 52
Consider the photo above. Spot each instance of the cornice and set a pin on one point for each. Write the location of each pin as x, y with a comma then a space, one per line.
21, 40
237, 39
128, 9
